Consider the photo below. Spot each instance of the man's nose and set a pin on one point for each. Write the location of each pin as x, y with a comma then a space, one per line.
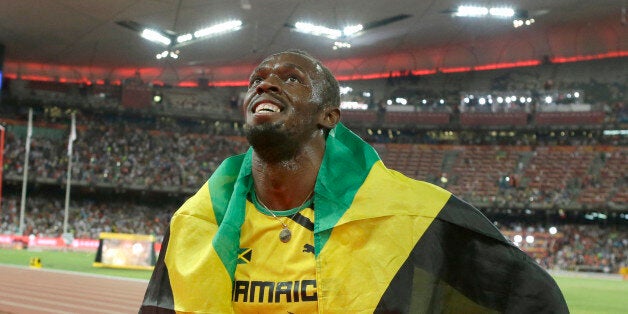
271, 83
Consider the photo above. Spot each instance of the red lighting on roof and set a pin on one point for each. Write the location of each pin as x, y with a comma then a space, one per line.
506, 65
358, 77
155, 72
456, 70
188, 84
423, 72
230, 83
613, 54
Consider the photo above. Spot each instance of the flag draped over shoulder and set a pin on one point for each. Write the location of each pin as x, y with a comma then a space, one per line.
384, 243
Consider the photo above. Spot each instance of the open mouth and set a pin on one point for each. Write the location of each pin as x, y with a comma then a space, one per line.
266, 107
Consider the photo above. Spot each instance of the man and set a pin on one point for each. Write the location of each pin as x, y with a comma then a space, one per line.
310, 220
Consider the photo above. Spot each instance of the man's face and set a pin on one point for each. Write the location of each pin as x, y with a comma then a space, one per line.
282, 103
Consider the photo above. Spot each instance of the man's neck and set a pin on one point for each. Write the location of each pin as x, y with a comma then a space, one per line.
287, 184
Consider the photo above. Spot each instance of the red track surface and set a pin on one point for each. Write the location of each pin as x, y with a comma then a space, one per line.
26, 290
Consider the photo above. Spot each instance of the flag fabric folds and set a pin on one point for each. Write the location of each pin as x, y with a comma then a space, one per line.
384, 243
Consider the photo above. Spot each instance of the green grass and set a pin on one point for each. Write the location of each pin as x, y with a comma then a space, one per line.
593, 295
71, 261
583, 295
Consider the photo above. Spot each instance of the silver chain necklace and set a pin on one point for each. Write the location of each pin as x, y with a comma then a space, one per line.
285, 235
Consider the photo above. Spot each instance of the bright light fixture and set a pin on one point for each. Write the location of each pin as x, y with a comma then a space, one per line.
468, 10
219, 28
501, 12
345, 90
518, 23
548, 99
185, 37
518, 238
401, 100
529, 239
155, 36
341, 45
166, 53
317, 30
332, 33
352, 29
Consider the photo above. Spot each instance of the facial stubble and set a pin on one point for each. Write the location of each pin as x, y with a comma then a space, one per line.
272, 142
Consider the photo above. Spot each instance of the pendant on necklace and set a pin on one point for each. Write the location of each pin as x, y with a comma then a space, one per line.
285, 235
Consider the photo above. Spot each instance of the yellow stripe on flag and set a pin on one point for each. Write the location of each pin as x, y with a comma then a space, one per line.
386, 229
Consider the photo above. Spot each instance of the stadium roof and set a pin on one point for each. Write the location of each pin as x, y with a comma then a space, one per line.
86, 40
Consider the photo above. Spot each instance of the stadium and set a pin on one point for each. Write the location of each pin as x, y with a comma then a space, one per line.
516, 107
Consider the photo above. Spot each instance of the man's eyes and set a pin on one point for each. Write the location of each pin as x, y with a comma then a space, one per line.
255, 81
293, 79
289, 79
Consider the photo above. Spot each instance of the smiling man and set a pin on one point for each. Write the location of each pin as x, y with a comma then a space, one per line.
310, 220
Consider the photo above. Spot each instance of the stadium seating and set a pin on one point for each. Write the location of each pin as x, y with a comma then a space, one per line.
509, 164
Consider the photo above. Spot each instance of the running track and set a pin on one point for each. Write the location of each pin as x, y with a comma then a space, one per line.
26, 290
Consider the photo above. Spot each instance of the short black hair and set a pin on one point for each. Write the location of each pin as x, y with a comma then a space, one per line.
331, 88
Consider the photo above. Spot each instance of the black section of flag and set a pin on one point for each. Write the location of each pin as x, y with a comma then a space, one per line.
463, 264
158, 297
245, 255
303, 221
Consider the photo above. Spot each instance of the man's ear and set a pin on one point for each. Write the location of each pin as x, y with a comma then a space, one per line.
329, 117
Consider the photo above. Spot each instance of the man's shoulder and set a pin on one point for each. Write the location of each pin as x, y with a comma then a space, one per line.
397, 180
198, 205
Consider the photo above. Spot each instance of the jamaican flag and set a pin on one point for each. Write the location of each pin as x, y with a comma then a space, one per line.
384, 243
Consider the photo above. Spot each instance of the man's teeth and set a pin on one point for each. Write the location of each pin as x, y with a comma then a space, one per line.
267, 107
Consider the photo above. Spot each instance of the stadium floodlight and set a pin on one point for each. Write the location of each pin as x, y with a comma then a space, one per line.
529, 239
548, 99
317, 30
345, 90
219, 28
352, 29
185, 37
155, 36
471, 11
174, 54
341, 45
518, 238
162, 54
501, 12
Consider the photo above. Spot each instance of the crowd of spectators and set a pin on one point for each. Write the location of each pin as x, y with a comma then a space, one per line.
87, 218
123, 153
574, 247
170, 155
